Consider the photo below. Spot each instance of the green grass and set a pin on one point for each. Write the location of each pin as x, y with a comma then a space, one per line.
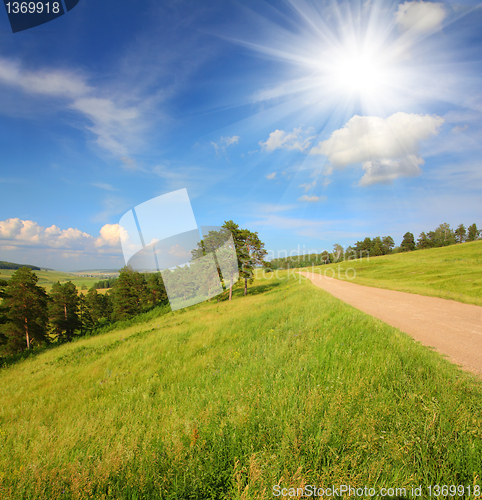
453, 272
224, 400
48, 278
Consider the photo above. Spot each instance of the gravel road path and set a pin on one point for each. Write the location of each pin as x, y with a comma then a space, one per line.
452, 328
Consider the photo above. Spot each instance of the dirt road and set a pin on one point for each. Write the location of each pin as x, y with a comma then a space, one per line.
452, 328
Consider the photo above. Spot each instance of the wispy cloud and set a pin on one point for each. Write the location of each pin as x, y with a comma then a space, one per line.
308, 186
225, 142
115, 125
294, 140
312, 199
271, 176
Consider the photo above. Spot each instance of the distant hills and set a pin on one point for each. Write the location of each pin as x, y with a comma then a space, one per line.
12, 265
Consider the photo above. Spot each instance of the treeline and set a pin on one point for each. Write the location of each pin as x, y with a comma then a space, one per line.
109, 283
11, 265
442, 236
29, 316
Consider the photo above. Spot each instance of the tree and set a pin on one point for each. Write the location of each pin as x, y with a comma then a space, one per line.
3, 310
156, 289
460, 233
472, 232
376, 248
26, 305
387, 244
424, 241
408, 243
63, 311
250, 251
338, 252
129, 294
443, 236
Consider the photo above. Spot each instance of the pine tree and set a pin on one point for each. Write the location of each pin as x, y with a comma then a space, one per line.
26, 305
408, 243
387, 244
3, 311
64, 311
129, 294
472, 232
460, 233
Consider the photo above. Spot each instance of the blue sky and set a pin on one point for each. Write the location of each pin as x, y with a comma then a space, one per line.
312, 123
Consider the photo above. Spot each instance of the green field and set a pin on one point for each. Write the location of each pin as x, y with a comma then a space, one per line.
224, 400
48, 278
453, 272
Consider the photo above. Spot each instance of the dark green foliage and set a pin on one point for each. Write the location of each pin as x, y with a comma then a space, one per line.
129, 294
11, 265
26, 312
373, 248
408, 243
3, 310
105, 283
472, 232
63, 311
424, 241
460, 233
249, 250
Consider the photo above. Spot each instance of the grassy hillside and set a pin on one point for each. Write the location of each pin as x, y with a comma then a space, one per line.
453, 272
225, 400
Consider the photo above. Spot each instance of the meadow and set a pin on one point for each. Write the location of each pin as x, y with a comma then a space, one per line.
287, 386
453, 272
48, 278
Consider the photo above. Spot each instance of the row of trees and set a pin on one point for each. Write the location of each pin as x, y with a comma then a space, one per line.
443, 235
30, 316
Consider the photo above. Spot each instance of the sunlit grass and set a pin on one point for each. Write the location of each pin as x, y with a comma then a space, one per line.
453, 272
224, 400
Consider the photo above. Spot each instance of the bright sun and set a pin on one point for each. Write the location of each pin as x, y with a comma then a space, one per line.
357, 73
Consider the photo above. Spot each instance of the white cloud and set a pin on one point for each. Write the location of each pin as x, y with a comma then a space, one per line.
459, 128
420, 17
388, 148
279, 139
109, 236
271, 176
312, 199
225, 142
115, 126
22, 234
307, 186
57, 83
386, 171
110, 122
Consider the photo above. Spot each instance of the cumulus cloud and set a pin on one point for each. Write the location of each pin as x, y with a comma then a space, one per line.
17, 233
295, 140
271, 176
420, 17
387, 148
311, 199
